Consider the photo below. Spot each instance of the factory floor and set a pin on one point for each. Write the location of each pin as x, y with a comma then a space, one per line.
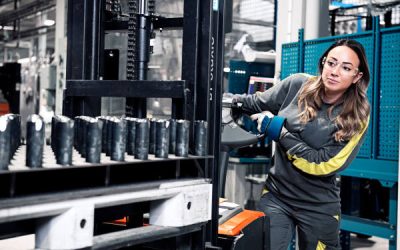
27, 242
371, 243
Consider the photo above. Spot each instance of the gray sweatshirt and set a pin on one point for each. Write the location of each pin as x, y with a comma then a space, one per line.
307, 157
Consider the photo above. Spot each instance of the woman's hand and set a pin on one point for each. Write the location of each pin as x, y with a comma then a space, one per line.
269, 124
260, 117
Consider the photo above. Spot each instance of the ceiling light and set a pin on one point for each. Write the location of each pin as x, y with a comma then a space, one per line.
49, 22
27, 60
6, 27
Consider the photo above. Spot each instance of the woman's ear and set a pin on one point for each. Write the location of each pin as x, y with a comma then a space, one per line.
357, 77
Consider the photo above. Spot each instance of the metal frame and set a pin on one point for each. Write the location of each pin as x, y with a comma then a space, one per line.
196, 97
202, 62
69, 222
28, 182
84, 52
125, 88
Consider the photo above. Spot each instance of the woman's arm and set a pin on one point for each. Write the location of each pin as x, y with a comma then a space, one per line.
273, 98
327, 160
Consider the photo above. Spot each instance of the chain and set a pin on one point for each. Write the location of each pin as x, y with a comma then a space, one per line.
131, 70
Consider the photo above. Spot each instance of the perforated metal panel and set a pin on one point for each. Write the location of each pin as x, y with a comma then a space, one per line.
368, 42
313, 50
290, 59
389, 113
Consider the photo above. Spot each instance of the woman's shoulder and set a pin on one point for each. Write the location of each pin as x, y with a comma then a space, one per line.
298, 80
300, 77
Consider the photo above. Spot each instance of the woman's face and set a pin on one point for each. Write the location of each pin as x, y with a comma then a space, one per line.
340, 70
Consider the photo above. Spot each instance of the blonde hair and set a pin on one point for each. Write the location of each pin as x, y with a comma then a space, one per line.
355, 112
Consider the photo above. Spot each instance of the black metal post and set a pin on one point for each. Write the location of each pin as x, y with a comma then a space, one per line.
204, 75
333, 21
184, 109
216, 104
137, 107
387, 17
84, 52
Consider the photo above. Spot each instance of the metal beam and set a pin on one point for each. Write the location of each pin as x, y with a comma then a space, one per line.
253, 22
26, 10
368, 227
84, 52
4, 2
29, 33
126, 88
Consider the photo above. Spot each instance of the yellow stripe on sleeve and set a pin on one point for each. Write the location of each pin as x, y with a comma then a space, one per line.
334, 163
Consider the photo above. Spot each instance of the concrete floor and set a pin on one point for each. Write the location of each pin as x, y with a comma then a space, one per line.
371, 243
28, 242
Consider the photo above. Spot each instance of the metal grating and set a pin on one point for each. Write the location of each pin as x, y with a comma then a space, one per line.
256, 18
290, 59
368, 43
313, 50
389, 113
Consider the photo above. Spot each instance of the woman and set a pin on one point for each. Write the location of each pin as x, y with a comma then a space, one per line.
326, 121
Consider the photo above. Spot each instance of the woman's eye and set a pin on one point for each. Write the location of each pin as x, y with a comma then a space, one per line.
331, 63
347, 68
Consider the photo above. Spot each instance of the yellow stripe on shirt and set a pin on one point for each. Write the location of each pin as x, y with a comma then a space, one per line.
321, 246
334, 163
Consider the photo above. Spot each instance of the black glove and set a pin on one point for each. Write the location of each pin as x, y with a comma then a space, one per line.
236, 108
231, 106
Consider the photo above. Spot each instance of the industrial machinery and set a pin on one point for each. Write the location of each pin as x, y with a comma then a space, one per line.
233, 136
84, 200
239, 229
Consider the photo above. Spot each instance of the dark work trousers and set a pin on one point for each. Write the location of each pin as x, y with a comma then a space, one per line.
316, 231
